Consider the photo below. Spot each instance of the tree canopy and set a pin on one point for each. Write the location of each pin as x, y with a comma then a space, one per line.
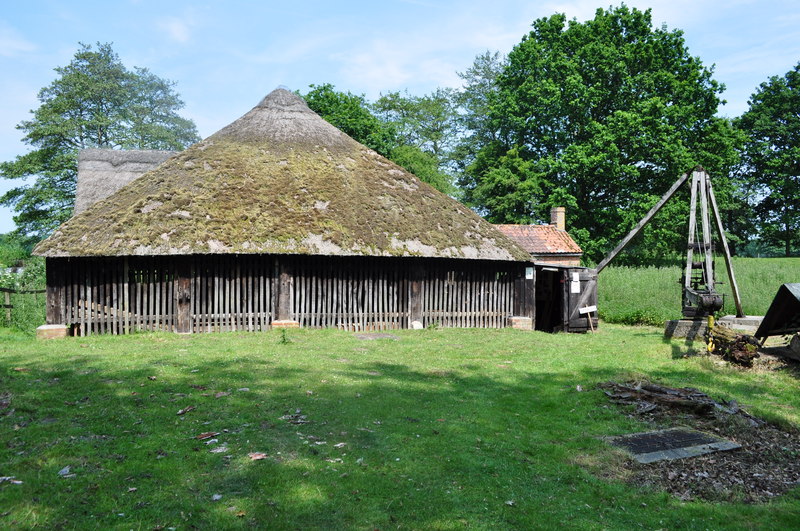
95, 102
771, 165
410, 131
601, 117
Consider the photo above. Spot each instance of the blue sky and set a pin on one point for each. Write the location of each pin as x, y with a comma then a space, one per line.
225, 56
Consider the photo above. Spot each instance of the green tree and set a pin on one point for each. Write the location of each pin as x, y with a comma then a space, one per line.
602, 116
95, 102
475, 124
390, 136
427, 129
427, 122
350, 113
771, 159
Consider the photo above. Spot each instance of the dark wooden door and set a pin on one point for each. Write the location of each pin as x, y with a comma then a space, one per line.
581, 294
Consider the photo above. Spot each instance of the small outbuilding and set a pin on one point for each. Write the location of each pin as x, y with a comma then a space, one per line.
546, 244
280, 217
566, 293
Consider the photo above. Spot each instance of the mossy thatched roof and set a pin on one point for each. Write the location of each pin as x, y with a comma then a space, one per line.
281, 180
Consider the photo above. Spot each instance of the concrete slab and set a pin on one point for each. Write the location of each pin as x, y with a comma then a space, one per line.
686, 328
521, 323
52, 331
286, 323
748, 324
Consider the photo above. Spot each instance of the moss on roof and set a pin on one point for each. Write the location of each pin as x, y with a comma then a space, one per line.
279, 180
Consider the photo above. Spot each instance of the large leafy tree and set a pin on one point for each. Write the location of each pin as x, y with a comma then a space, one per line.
602, 117
401, 128
771, 159
95, 102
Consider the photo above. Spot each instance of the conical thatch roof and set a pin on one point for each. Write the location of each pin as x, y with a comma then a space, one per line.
280, 179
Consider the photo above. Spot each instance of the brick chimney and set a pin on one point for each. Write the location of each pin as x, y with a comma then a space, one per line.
558, 217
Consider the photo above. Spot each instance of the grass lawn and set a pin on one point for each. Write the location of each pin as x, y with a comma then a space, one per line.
440, 429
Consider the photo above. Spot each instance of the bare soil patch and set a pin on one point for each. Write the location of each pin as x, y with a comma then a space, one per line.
767, 464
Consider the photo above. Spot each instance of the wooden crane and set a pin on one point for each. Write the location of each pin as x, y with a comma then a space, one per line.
700, 296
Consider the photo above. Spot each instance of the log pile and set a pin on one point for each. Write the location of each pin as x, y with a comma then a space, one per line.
737, 348
647, 396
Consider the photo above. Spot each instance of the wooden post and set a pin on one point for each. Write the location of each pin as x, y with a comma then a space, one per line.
415, 293
718, 221
183, 295
55, 292
283, 295
709, 259
529, 290
687, 278
525, 292
639, 226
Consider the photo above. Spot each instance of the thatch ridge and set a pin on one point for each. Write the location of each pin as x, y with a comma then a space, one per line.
280, 180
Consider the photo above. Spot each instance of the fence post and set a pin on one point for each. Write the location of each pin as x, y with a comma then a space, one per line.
7, 296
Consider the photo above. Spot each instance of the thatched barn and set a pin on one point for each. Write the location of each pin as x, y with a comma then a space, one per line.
281, 217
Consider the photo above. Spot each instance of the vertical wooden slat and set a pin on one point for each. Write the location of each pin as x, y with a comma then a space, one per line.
215, 311
87, 300
249, 291
227, 273
415, 293
335, 295
259, 264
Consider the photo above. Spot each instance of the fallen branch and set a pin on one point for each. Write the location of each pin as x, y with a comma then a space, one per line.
648, 396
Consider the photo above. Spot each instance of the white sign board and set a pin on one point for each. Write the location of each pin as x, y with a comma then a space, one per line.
575, 285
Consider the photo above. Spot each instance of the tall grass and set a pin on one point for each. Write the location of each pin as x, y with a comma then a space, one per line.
28, 310
652, 295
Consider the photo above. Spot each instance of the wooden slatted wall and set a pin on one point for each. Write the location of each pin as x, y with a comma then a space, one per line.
350, 293
232, 292
238, 292
373, 293
468, 297
116, 296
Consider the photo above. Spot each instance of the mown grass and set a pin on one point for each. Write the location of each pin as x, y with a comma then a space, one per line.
652, 295
441, 429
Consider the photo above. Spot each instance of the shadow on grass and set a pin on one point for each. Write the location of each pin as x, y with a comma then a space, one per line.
349, 443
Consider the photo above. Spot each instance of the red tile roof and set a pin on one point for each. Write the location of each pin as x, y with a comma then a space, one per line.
541, 239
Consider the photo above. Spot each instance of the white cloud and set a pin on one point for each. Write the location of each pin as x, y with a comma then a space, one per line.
12, 43
177, 29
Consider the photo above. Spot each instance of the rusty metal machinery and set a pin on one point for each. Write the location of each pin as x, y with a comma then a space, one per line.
700, 297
